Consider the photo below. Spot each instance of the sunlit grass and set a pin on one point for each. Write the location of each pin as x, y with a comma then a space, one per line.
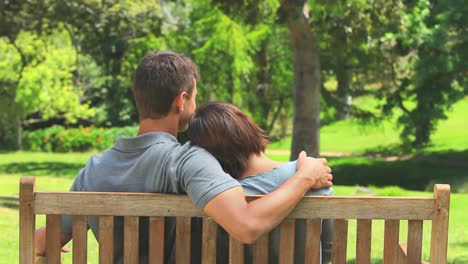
352, 136
443, 161
458, 233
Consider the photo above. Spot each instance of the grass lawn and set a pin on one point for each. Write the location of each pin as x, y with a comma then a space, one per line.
364, 154
56, 172
368, 161
353, 136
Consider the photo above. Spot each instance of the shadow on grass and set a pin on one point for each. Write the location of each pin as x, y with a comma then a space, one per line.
62, 169
373, 261
418, 172
380, 261
402, 150
9, 202
462, 244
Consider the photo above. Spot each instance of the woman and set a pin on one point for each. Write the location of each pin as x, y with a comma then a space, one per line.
239, 144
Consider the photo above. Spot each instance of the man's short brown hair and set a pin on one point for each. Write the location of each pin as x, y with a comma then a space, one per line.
228, 134
159, 78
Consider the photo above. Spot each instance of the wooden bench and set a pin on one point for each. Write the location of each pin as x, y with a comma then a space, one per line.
158, 206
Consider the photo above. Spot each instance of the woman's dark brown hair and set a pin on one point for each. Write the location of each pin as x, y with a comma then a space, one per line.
228, 134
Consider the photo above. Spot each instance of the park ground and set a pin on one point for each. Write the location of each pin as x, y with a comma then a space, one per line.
361, 155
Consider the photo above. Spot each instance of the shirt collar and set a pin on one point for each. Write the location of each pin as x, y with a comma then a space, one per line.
144, 140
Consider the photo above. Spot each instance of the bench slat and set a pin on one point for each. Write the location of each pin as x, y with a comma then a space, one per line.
391, 238
236, 251
439, 232
27, 220
53, 238
418, 208
363, 241
312, 243
403, 256
183, 236
286, 243
415, 228
156, 240
340, 240
131, 239
106, 239
260, 250
80, 239
132, 205
209, 241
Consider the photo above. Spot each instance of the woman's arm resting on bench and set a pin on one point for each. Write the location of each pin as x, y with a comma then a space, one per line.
40, 241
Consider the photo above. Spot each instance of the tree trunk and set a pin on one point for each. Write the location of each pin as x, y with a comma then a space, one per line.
263, 99
10, 135
343, 74
116, 93
10, 121
343, 77
423, 118
306, 122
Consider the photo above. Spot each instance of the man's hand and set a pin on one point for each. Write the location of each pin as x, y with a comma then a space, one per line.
315, 170
247, 221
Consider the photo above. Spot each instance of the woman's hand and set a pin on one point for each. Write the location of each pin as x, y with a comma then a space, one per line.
40, 244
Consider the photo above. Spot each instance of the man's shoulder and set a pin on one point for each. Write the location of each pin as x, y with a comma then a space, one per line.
189, 147
190, 153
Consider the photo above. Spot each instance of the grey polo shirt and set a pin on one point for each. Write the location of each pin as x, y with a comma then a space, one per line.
155, 163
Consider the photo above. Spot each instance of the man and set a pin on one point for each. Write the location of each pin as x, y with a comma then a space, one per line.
153, 161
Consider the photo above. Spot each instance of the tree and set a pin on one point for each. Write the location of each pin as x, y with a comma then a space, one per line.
104, 31
44, 87
266, 86
12, 66
306, 121
12, 19
432, 43
21, 29
350, 33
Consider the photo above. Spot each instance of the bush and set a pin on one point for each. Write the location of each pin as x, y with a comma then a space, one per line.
61, 139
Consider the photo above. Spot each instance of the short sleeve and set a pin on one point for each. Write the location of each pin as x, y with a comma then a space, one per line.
202, 177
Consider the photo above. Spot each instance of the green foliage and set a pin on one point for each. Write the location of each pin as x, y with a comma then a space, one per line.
266, 78
432, 77
9, 60
60, 139
104, 30
348, 34
47, 85
413, 55
226, 43
37, 78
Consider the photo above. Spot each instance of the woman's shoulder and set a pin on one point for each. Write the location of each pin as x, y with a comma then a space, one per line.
270, 180
286, 169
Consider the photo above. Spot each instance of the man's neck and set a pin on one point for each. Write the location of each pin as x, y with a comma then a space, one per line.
168, 124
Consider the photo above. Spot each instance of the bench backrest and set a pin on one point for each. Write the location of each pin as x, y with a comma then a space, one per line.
157, 206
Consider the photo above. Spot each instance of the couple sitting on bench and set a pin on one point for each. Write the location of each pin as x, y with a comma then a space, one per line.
223, 162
